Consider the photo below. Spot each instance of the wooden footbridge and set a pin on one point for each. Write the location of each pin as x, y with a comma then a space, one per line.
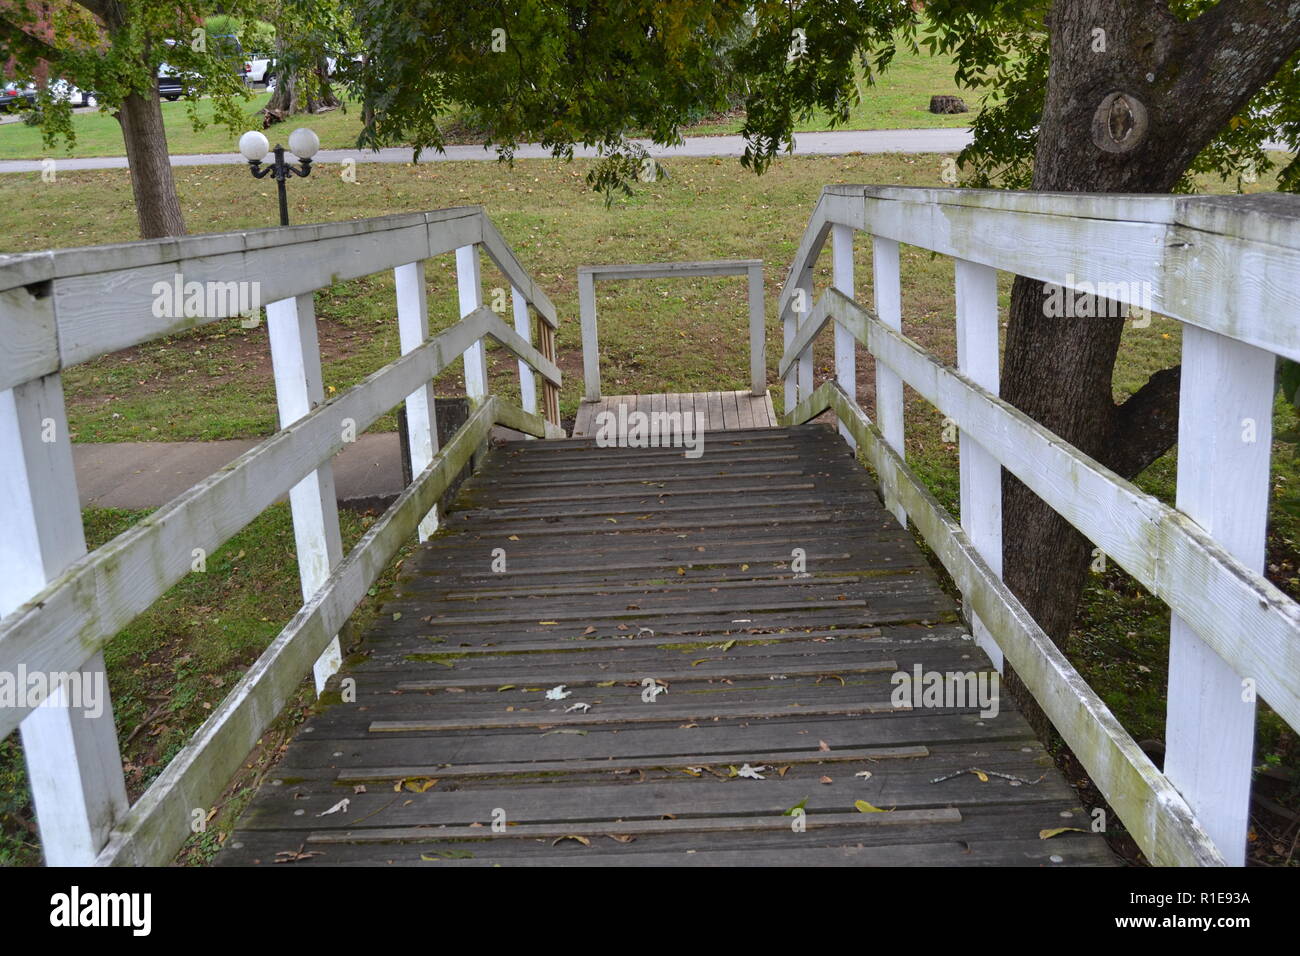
692, 633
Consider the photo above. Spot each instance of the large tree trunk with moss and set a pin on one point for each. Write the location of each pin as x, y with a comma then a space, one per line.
157, 206
1180, 82
299, 91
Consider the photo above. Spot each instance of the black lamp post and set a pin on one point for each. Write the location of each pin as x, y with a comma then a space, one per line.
303, 143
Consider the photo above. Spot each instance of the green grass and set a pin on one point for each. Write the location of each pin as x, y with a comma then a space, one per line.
899, 99
98, 133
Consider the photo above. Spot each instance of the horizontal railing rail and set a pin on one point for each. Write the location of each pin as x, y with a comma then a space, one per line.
1225, 267
751, 268
62, 605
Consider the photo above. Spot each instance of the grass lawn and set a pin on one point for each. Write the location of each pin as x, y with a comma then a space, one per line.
899, 99
680, 335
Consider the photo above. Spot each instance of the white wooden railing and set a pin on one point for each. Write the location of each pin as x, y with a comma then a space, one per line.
1228, 269
62, 605
752, 269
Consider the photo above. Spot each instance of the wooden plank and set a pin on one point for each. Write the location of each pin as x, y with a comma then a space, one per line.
299, 387
421, 422
744, 410
590, 336
845, 344
716, 420
757, 330
887, 289
158, 823
731, 671
701, 402
541, 831
74, 767
691, 759
1225, 264
469, 290
669, 270
582, 425
1224, 439
106, 297
656, 713
730, 410
27, 327
524, 329
980, 475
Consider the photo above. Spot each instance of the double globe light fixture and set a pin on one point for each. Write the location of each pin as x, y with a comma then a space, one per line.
303, 143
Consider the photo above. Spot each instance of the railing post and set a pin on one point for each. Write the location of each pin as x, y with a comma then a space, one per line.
845, 344
590, 340
757, 332
1224, 438
469, 285
74, 766
527, 380
421, 415
806, 359
789, 328
295, 360
980, 474
887, 286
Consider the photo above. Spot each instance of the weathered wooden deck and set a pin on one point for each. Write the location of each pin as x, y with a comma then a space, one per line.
634, 567
716, 411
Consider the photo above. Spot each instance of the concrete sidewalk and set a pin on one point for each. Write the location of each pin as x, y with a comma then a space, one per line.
138, 475
148, 474
831, 143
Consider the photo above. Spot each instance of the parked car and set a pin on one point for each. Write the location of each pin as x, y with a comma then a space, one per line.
13, 96
62, 90
261, 68
171, 85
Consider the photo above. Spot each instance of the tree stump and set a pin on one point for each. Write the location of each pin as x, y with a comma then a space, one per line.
947, 104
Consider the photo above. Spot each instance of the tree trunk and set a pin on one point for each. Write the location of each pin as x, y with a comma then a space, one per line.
156, 204
292, 94
1181, 82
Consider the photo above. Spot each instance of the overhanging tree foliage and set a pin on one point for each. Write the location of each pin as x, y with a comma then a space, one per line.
1192, 85
114, 48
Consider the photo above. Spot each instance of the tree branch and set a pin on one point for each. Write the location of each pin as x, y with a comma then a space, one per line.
1145, 426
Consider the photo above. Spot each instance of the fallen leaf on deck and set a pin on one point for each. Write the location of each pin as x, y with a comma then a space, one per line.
342, 805
864, 807
572, 836
558, 693
1057, 831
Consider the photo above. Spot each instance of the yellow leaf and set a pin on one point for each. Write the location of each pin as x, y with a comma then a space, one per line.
505, 687
984, 778
573, 836
864, 807
1057, 831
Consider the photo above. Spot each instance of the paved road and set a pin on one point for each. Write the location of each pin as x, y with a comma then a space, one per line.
837, 142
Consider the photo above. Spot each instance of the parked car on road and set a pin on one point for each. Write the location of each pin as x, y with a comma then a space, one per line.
13, 96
